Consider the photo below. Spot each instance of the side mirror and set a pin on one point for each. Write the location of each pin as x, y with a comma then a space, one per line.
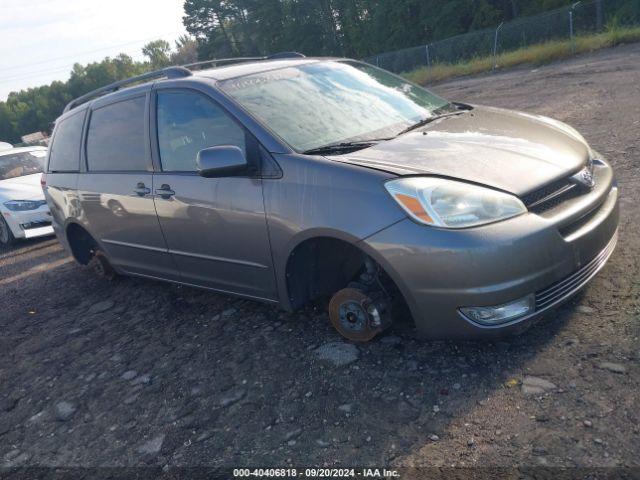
221, 161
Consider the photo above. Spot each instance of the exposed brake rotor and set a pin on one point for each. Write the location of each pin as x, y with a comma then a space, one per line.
357, 316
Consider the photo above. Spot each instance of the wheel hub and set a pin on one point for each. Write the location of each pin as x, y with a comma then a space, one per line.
352, 316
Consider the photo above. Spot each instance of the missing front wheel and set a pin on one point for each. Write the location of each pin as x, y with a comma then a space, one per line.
359, 316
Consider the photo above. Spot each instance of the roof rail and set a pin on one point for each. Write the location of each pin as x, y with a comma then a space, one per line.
169, 72
217, 61
278, 55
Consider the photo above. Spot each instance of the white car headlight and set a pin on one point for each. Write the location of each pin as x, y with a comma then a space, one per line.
23, 205
452, 204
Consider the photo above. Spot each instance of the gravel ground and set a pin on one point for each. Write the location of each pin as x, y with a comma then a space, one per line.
133, 372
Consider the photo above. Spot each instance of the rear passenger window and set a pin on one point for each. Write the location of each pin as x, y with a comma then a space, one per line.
189, 122
65, 149
116, 139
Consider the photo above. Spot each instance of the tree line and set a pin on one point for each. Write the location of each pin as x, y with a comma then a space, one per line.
228, 28
351, 28
34, 109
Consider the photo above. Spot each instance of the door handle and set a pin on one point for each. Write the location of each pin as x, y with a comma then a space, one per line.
142, 190
165, 191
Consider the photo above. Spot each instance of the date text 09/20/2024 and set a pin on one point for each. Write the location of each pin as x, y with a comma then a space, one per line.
315, 473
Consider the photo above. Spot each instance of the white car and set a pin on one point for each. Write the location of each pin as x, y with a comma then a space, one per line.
23, 210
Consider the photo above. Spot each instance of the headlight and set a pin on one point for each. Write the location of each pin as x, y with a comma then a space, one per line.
451, 204
22, 205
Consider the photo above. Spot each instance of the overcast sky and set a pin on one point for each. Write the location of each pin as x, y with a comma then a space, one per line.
40, 40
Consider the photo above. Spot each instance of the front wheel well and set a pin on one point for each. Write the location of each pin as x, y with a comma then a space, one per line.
321, 266
81, 243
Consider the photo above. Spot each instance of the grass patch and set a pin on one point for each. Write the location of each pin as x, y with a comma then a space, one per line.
535, 54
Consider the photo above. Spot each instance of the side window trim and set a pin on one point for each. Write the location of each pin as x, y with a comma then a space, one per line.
84, 159
250, 141
83, 140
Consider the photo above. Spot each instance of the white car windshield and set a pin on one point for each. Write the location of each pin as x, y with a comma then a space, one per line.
14, 165
318, 104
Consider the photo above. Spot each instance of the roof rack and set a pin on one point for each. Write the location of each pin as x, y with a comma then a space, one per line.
218, 61
171, 72
276, 56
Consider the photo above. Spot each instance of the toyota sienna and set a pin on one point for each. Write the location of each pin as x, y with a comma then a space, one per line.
293, 179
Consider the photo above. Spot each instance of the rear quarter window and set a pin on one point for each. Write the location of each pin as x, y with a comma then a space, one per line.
116, 137
64, 153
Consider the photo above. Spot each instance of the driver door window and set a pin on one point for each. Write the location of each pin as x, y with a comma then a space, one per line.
189, 122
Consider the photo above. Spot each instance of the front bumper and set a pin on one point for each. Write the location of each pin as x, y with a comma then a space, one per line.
29, 223
552, 256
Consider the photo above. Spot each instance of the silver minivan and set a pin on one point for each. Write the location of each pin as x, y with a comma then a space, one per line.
292, 180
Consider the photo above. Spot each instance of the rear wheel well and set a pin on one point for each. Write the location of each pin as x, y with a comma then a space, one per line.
81, 243
321, 266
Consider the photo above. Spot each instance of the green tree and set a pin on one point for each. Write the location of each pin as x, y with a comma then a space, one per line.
35, 109
186, 51
158, 53
225, 28
355, 28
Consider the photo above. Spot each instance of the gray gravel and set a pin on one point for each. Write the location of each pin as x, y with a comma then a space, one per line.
338, 354
221, 381
65, 410
536, 386
153, 446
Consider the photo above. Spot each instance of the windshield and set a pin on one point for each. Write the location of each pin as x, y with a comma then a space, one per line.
324, 103
20, 164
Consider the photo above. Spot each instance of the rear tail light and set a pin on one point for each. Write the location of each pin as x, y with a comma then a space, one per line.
43, 180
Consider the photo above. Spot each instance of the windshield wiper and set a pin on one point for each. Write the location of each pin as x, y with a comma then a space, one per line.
425, 121
343, 147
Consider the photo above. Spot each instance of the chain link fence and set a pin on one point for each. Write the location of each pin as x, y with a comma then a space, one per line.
583, 17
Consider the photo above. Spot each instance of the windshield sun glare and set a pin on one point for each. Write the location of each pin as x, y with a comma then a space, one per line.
323, 103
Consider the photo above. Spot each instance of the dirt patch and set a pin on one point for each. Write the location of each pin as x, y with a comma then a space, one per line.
134, 372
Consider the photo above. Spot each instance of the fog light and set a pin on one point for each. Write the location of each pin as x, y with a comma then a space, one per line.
500, 313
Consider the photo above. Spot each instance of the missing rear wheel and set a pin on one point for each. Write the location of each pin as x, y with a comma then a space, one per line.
100, 265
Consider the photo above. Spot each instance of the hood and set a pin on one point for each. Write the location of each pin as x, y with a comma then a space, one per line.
22, 188
511, 151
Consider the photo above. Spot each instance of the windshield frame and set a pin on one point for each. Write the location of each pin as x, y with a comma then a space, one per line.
359, 138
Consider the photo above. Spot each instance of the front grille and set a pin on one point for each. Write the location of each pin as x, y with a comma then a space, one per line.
540, 194
572, 283
31, 225
558, 192
551, 195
